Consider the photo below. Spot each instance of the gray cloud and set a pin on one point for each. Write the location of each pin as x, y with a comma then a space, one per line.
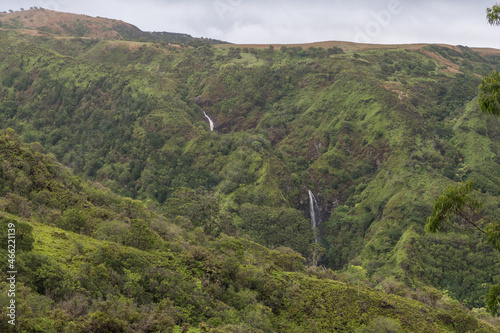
258, 21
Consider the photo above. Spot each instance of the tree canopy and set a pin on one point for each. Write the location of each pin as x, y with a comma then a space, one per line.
493, 15
489, 90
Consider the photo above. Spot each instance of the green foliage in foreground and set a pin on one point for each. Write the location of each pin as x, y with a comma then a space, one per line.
188, 281
458, 202
490, 94
458, 205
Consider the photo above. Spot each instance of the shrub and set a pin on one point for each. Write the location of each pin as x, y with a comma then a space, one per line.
381, 325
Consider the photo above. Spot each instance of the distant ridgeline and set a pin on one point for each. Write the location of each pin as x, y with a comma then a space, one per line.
266, 142
178, 38
47, 22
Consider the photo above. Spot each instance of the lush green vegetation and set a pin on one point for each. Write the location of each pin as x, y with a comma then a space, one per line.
376, 135
88, 260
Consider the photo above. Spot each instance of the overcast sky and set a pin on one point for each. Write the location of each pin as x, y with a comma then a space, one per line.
456, 22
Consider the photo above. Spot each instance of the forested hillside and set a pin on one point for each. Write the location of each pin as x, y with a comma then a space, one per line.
88, 260
375, 135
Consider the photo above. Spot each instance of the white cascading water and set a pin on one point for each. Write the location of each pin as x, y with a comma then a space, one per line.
314, 208
209, 121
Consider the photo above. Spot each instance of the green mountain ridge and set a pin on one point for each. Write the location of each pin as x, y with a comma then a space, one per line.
376, 135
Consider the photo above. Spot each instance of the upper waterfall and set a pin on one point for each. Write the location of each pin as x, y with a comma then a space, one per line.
209, 121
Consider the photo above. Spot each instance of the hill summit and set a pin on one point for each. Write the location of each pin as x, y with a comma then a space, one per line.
58, 24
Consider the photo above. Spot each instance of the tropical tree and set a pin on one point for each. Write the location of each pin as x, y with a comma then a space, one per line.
489, 90
493, 15
458, 205
317, 251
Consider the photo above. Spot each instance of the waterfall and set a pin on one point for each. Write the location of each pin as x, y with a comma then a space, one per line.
209, 121
315, 218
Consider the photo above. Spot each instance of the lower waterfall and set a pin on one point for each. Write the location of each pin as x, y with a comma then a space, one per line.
315, 215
